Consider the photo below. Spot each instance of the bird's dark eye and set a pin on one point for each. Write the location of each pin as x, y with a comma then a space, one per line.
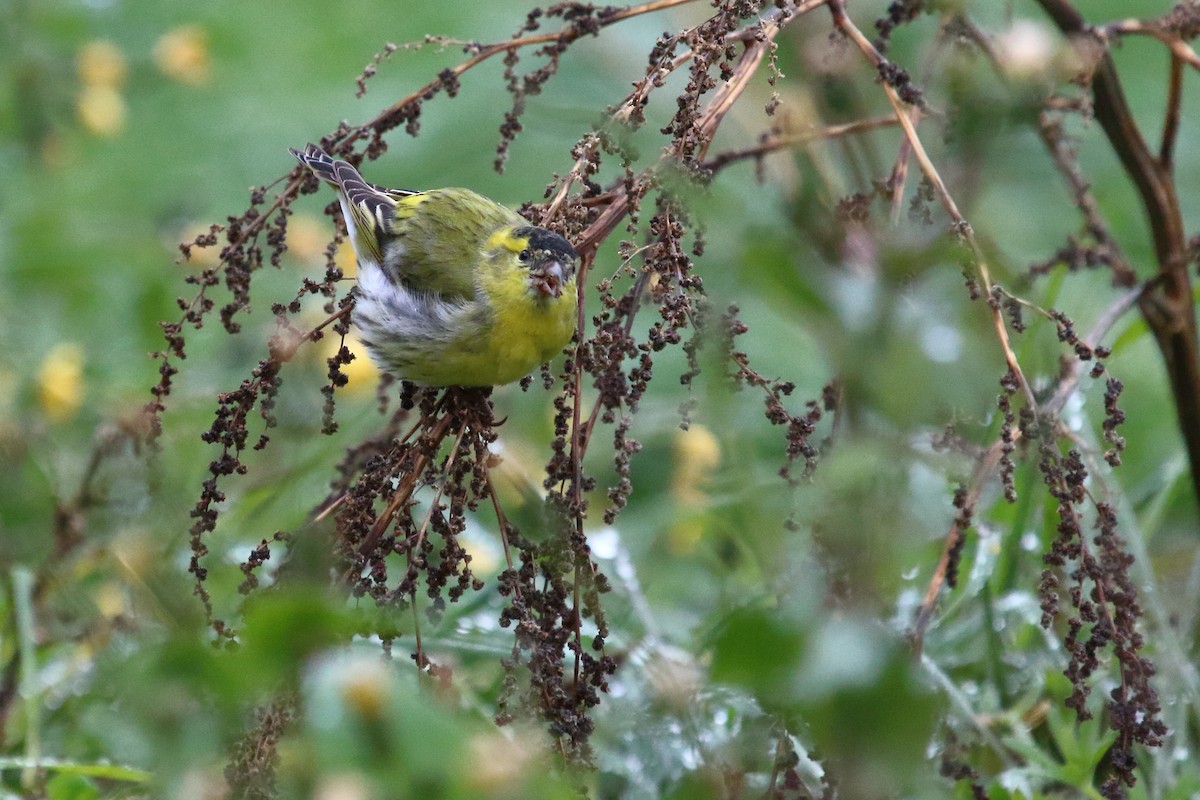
525, 255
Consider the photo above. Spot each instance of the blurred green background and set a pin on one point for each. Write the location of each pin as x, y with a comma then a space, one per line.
128, 127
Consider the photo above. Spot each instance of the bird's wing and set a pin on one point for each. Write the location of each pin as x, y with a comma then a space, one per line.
370, 210
429, 241
445, 235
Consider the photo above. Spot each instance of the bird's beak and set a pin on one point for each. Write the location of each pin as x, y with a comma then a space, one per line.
549, 280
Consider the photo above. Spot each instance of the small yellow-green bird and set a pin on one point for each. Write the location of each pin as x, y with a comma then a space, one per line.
453, 288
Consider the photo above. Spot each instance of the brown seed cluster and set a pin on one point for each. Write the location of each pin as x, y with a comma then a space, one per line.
251, 769
400, 499
899, 12
1104, 614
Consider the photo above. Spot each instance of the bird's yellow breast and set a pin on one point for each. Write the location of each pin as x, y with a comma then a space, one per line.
524, 331
528, 330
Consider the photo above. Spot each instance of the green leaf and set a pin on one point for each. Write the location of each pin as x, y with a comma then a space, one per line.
68, 786
755, 649
108, 772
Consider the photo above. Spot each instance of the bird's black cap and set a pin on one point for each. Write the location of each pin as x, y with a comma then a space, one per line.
543, 239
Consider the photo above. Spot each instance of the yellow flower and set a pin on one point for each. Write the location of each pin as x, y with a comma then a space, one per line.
345, 258
343, 786
101, 109
503, 764
365, 687
306, 238
60, 381
182, 53
101, 63
110, 599
697, 454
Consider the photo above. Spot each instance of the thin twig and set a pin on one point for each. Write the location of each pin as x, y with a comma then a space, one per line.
1179, 48
1064, 158
782, 141
406, 486
502, 522
843, 23
900, 169
1166, 151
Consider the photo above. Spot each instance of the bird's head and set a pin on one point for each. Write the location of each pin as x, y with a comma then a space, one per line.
546, 259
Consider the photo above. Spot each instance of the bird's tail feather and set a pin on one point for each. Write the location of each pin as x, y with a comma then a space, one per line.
322, 164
